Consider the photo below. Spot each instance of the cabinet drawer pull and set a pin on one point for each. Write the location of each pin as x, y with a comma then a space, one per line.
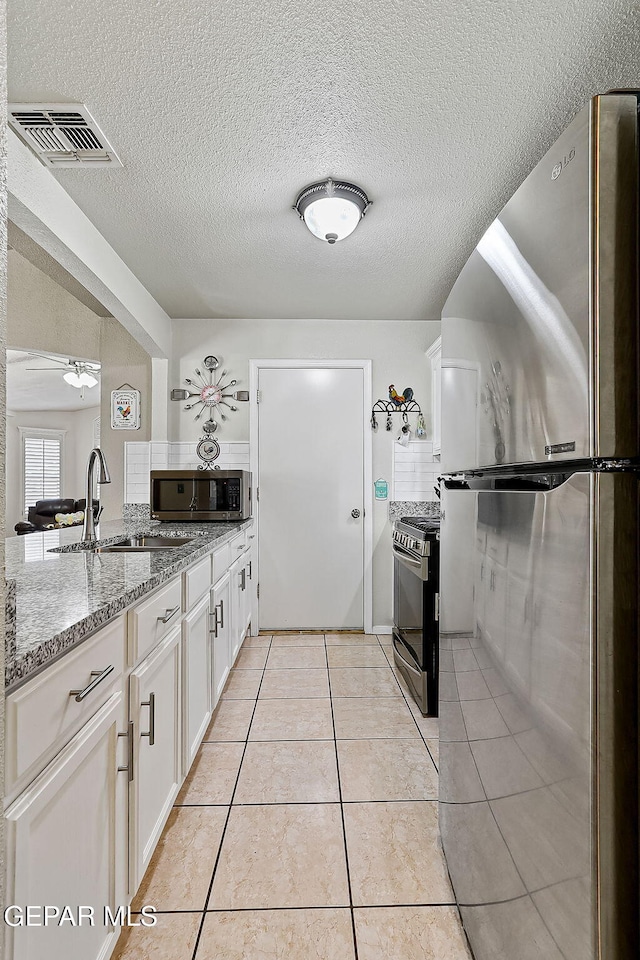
129, 766
241, 547
214, 628
99, 676
250, 570
252, 536
220, 622
151, 732
168, 614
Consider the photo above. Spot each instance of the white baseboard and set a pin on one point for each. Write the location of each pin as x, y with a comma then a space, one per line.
383, 630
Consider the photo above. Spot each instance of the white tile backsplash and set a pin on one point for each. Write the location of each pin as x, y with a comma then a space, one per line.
414, 471
140, 458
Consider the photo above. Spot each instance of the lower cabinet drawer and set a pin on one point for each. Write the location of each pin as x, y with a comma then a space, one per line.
152, 619
59, 699
197, 581
237, 546
221, 560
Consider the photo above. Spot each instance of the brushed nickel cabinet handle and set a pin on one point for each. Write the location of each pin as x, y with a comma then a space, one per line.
214, 628
250, 569
168, 614
151, 732
221, 624
129, 766
99, 676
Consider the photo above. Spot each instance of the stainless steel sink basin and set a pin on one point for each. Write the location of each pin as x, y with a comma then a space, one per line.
143, 544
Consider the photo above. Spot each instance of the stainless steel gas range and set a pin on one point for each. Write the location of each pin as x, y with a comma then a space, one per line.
416, 552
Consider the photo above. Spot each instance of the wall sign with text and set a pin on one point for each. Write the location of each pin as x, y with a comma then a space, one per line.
125, 409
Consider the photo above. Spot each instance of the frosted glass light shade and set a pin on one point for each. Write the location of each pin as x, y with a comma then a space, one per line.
332, 209
73, 379
332, 218
87, 380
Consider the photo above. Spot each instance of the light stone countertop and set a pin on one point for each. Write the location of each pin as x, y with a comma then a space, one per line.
63, 596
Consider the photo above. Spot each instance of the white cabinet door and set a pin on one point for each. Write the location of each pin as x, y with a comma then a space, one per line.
67, 843
196, 683
251, 585
236, 633
221, 624
154, 706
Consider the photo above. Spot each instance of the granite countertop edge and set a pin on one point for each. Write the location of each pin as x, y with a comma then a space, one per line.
23, 665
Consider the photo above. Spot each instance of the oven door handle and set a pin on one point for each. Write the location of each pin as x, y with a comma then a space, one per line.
415, 566
405, 557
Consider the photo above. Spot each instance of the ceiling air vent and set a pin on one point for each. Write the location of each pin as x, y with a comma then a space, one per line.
62, 134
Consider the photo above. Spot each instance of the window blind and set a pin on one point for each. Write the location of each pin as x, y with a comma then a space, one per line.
42, 469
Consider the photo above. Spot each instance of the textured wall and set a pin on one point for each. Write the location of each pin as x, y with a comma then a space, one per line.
42, 316
397, 350
123, 361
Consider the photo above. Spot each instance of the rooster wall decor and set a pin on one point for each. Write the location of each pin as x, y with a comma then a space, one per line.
399, 399
397, 403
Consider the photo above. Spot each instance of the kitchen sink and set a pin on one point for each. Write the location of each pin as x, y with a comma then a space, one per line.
143, 544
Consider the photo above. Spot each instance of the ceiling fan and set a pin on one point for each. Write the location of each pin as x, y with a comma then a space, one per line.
79, 372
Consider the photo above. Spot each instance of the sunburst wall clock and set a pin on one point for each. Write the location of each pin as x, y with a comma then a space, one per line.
209, 392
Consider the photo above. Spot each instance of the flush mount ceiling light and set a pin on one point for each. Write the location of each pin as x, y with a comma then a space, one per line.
332, 209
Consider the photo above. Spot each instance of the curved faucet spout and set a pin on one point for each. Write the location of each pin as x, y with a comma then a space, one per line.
96, 456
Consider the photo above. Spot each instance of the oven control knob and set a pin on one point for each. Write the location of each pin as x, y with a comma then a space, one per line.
355, 514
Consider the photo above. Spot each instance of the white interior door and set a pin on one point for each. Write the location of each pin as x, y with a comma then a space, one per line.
311, 477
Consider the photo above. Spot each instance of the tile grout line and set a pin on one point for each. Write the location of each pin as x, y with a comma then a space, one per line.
226, 822
344, 828
369, 906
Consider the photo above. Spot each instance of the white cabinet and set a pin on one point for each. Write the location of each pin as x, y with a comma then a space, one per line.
43, 714
154, 705
235, 627
247, 587
93, 779
67, 842
434, 355
196, 679
221, 625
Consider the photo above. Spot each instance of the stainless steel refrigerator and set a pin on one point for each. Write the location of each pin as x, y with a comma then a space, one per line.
539, 549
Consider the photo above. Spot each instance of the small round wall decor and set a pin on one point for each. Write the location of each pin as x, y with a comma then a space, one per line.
208, 449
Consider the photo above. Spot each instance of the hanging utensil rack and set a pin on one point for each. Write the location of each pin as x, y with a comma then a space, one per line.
388, 407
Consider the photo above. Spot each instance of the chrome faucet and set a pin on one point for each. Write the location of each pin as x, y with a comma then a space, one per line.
89, 528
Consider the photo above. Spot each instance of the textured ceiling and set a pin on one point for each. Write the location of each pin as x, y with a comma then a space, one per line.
222, 111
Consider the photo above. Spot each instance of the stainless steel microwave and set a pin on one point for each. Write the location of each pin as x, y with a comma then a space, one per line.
200, 494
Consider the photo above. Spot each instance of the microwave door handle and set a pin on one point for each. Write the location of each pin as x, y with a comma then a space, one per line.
194, 496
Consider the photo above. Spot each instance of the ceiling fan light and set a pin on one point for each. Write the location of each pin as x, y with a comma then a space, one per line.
87, 379
73, 379
332, 209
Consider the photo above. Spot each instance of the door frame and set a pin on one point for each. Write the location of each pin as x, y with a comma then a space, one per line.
367, 482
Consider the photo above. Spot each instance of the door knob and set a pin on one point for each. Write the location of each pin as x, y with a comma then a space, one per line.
355, 514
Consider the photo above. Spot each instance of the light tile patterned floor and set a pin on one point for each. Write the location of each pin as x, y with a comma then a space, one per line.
307, 828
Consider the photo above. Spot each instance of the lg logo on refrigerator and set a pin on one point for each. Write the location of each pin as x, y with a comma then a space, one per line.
559, 167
